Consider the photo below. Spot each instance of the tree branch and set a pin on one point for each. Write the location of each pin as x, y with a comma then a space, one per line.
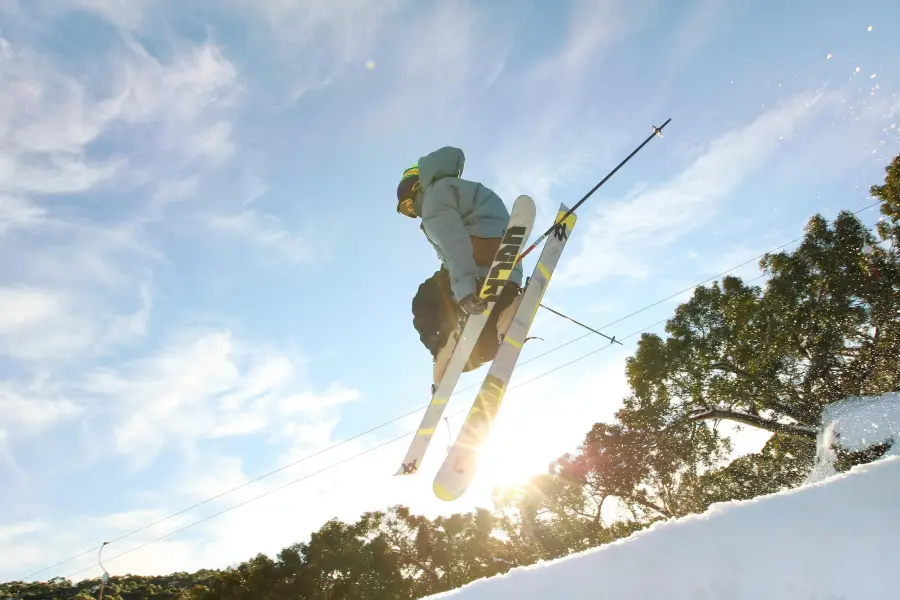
647, 504
799, 431
770, 402
732, 368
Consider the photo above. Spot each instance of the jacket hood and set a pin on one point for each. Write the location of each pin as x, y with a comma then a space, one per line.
443, 162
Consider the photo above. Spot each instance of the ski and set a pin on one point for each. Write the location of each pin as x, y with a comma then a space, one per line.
521, 221
458, 470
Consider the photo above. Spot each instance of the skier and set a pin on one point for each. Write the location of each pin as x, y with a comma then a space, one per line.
464, 221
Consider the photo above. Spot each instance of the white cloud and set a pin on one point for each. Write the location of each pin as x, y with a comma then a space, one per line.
171, 192
451, 53
49, 121
621, 238
313, 41
17, 213
550, 152
269, 234
38, 324
21, 308
213, 142
33, 413
129, 326
182, 91
203, 387
9, 532
45, 122
66, 315
48, 118
207, 387
593, 26
125, 14
191, 98
347, 27
700, 22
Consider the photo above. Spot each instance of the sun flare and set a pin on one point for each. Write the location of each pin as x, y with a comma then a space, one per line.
519, 447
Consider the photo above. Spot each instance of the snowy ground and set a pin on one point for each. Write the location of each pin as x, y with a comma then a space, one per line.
835, 538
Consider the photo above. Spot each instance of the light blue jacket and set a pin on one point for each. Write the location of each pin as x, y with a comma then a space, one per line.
452, 209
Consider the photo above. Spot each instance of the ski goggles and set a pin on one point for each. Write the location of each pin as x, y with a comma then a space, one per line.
405, 208
406, 192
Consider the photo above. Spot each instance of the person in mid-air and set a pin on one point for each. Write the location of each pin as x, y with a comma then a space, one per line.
464, 221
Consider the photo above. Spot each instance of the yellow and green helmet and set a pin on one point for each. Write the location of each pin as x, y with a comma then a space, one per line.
406, 191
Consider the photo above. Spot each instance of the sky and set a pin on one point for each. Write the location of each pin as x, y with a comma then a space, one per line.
203, 278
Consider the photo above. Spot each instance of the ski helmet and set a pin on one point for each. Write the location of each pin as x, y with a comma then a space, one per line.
406, 191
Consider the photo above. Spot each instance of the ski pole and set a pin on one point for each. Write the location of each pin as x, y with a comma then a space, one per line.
612, 340
656, 131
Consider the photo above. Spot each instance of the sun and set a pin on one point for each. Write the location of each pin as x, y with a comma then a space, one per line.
517, 449
535, 425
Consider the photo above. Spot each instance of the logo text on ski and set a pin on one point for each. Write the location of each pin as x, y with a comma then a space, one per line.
409, 467
559, 232
506, 256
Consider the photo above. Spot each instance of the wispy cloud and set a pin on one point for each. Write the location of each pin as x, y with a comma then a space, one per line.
74, 295
622, 238
125, 14
8, 532
268, 233
549, 152
452, 52
21, 308
592, 28
38, 324
72, 275
206, 387
33, 413
47, 121
700, 22
268, 524
190, 397
329, 36
18, 213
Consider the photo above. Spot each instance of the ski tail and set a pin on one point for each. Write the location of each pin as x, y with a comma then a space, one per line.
459, 468
521, 222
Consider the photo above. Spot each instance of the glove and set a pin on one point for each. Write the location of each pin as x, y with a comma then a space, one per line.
473, 305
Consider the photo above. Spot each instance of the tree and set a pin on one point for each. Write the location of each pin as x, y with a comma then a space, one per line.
782, 463
824, 328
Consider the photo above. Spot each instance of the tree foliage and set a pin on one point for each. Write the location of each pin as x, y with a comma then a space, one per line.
824, 326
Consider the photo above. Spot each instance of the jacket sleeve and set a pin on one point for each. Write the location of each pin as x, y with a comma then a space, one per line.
443, 224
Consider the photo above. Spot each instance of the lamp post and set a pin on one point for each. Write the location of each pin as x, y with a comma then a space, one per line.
105, 577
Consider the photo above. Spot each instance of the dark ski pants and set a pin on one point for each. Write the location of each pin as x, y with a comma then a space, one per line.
436, 315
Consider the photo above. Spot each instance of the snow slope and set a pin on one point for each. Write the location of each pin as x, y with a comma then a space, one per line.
835, 538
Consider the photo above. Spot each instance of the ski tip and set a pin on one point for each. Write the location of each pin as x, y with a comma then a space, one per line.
444, 493
523, 201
